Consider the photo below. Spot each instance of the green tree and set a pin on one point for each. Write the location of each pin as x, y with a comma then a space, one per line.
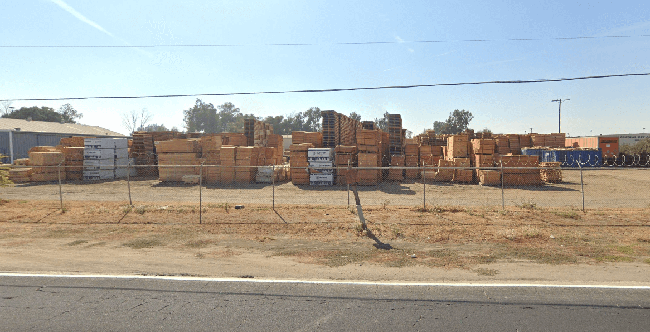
154, 127
69, 114
457, 122
202, 117
35, 113
355, 116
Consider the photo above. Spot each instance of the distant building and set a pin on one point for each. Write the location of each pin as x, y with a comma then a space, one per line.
17, 136
630, 139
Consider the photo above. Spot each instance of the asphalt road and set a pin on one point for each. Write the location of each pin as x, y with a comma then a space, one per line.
146, 304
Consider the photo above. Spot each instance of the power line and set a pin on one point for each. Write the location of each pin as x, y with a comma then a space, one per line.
321, 44
337, 89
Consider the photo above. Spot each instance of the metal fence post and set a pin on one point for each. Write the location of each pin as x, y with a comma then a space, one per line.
503, 200
128, 181
347, 179
60, 189
582, 187
273, 184
201, 194
424, 191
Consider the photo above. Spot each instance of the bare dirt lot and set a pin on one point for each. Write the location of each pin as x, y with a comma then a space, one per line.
525, 244
603, 188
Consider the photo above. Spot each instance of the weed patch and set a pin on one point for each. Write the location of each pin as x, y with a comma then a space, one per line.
77, 242
143, 243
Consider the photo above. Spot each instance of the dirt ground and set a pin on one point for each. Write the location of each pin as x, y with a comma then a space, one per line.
524, 244
603, 188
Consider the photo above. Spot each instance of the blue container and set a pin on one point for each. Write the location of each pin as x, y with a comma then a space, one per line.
574, 158
533, 152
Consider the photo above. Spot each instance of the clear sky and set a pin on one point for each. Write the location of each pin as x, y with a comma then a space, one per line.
602, 106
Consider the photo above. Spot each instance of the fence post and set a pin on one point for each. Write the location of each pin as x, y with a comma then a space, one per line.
582, 187
128, 181
273, 184
503, 200
60, 190
424, 191
201, 194
347, 179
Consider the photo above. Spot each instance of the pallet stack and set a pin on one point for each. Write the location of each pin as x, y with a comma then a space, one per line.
430, 155
228, 159
444, 174
368, 125
234, 139
44, 162
142, 150
520, 177
73, 150
556, 140
321, 166
331, 128
396, 135
257, 132
20, 174
211, 152
300, 137
246, 162
396, 171
299, 164
513, 143
277, 142
538, 139
105, 158
483, 156
370, 155
185, 152
525, 141
458, 153
412, 159
345, 161
502, 145
551, 172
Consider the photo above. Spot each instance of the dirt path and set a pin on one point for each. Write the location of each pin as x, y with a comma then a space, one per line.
486, 245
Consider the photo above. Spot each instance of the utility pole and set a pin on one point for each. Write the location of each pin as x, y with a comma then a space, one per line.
559, 113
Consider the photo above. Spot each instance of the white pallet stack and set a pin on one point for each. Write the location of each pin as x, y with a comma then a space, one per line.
105, 158
321, 163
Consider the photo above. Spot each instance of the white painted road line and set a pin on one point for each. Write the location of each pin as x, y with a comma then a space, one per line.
320, 282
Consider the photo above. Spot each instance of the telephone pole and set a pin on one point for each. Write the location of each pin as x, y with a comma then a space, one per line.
559, 114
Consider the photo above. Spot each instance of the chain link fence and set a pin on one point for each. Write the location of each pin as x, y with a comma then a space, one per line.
419, 187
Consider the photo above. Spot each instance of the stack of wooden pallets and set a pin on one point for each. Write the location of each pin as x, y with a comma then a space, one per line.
171, 154
429, 159
412, 159
330, 121
396, 171
551, 172
246, 162
211, 153
370, 155
227, 159
396, 135
520, 176
345, 161
315, 138
299, 164
276, 142
513, 144
483, 156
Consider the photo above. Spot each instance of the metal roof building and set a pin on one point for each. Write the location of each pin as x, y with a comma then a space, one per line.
17, 136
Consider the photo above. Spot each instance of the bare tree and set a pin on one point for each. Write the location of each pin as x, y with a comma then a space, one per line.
134, 121
5, 107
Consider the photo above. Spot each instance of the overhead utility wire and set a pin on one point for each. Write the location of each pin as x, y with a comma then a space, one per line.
315, 44
337, 89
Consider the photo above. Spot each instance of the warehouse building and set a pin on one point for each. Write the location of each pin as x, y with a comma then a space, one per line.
17, 136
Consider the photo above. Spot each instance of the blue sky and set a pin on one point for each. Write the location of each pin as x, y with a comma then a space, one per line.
603, 106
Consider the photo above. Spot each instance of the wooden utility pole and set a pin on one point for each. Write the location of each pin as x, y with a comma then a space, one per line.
559, 113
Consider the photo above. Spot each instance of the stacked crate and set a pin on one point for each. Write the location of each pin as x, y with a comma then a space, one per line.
315, 138
444, 174
246, 162
234, 139
551, 172
458, 153
520, 177
345, 160
483, 156
178, 158
249, 131
430, 156
348, 130
556, 140
74, 162
502, 145
538, 139
227, 159
369, 144
20, 174
321, 166
525, 141
513, 143
211, 152
396, 135
298, 163
330, 121
99, 158
257, 132
277, 142
412, 159
266, 156
368, 125
142, 150
44, 161
396, 171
